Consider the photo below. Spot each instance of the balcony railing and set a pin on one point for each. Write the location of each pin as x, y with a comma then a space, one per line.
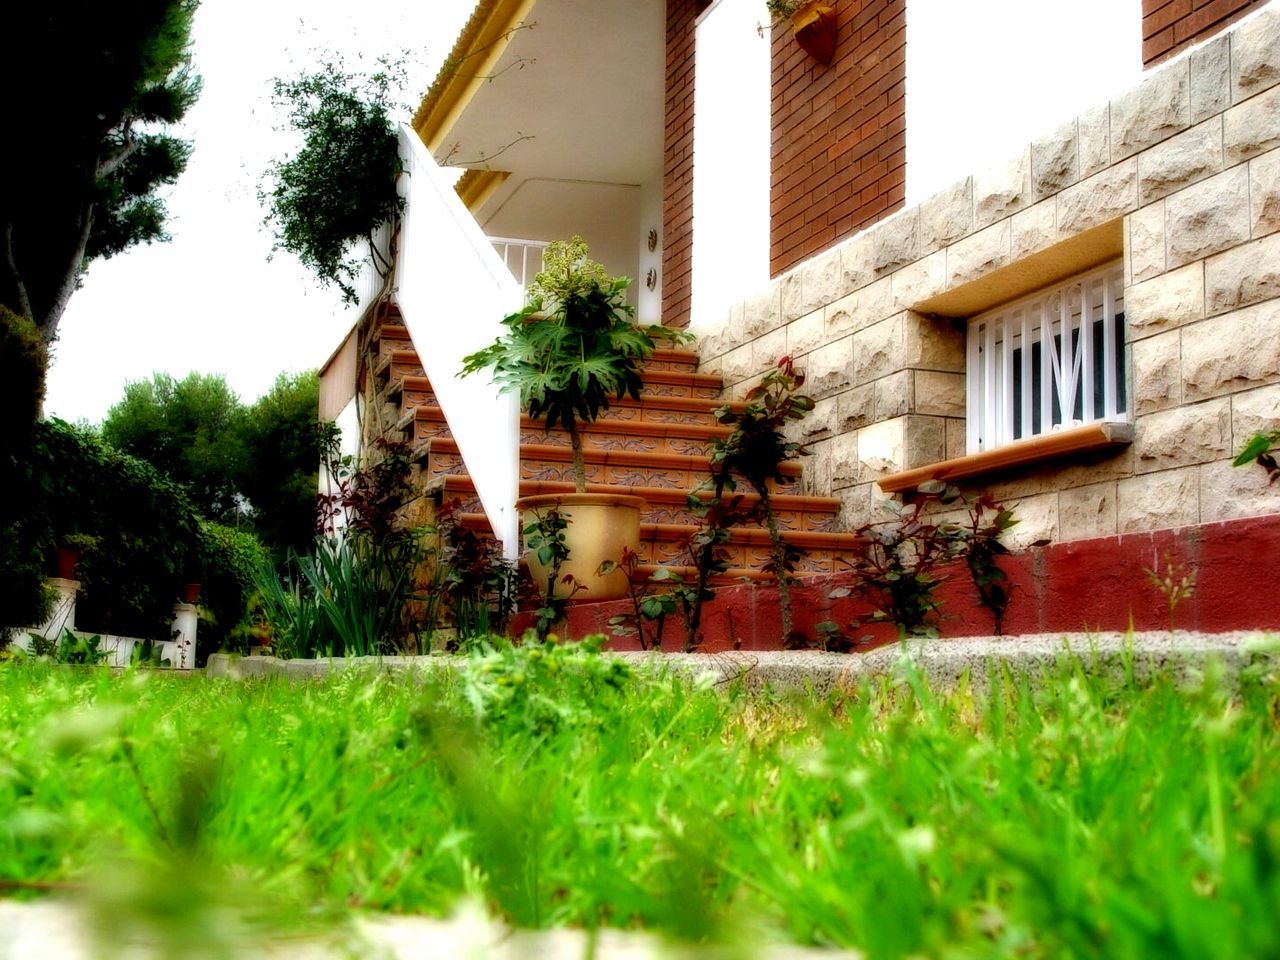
522, 257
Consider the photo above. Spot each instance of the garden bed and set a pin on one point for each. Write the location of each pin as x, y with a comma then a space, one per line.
1066, 809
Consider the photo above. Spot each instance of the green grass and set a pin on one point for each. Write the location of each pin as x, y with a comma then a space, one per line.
1070, 816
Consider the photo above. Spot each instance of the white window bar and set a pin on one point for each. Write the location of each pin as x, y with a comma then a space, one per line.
522, 257
1048, 361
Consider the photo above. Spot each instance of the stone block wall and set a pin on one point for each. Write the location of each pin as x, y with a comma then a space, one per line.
1180, 177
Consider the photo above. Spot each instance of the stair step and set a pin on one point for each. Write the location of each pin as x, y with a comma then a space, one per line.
616, 467
392, 337
748, 547
663, 505
693, 439
649, 408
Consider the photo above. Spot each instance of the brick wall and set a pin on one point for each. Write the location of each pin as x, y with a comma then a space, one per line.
839, 132
677, 164
1171, 25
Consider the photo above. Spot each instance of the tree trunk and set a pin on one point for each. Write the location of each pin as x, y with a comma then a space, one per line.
48, 323
579, 462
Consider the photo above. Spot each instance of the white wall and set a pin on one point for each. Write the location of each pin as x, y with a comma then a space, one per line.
649, 302
731, 158
984, 77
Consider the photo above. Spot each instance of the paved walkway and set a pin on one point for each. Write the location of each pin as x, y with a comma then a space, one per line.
53, 930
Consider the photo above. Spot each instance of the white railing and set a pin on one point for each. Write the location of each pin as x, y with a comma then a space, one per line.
1052, 360
454, 291
522, 257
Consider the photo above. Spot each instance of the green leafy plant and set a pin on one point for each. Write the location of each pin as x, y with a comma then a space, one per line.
340, 186
1258, 450
478, 581
573, 346
755, 452
545, 538
647, 604
898, 573
982, 548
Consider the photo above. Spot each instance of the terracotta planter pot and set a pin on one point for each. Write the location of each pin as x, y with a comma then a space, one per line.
190, 592
600, 525
814, 26
66, 559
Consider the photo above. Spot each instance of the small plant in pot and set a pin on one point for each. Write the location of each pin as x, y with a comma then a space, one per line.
573, 347
71, 549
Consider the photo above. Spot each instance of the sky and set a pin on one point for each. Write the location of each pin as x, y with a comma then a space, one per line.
209, 300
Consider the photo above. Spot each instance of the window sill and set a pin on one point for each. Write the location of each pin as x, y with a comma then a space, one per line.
1093, 436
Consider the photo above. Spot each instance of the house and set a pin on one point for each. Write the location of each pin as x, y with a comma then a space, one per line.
1037, 256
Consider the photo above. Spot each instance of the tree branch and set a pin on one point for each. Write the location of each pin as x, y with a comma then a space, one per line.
24, 301
48, 324
111, 163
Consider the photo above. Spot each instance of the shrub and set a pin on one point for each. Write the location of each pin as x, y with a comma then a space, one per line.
229, 564
149, 538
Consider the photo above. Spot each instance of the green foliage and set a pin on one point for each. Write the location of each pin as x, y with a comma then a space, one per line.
146, 527
479, 582
349, 595
543, 686
148, 538
755, 451
253, 465
1071, 811
361, 590
229, 561
545, 539
899, 571
100, 84
281, 451
188, 429
1258, 450
573, 346
340, 186
22, 363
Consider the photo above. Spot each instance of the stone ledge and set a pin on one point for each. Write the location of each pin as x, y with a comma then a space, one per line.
942, 661
1093, 436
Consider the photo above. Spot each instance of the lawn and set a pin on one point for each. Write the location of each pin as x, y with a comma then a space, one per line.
1061, 815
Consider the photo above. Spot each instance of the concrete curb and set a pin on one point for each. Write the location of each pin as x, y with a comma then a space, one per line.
942, 662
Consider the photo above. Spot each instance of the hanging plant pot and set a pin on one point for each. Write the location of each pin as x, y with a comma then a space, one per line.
814, 27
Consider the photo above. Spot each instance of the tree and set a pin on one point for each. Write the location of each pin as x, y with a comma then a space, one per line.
190, 430
91, 87
278, 474
340, 186
252, 466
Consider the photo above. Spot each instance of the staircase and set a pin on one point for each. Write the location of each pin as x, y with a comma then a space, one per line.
655, 448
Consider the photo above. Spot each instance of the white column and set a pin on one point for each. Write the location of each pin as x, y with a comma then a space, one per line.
183, 649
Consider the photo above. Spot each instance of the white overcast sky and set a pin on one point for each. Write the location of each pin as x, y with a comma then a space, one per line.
209, 300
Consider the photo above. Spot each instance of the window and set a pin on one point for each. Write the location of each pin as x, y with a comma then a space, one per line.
1049, 361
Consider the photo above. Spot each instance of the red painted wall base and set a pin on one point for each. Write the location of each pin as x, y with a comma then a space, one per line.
1087, 585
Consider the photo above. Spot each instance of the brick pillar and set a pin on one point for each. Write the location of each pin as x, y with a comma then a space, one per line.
677, 163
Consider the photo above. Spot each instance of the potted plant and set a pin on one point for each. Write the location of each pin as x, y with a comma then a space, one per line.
813, 23
69, 552
573, 346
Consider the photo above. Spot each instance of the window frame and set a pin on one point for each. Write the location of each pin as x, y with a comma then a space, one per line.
994, 418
